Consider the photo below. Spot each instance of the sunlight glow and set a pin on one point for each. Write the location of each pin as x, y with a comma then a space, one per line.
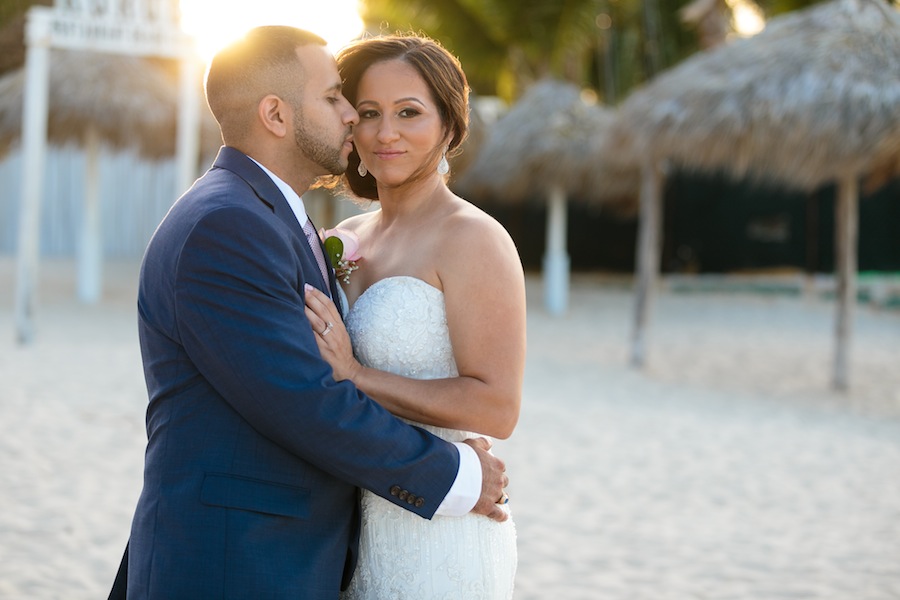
748, 17
215, 23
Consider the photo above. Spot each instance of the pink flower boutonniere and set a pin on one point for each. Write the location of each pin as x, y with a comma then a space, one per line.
342, 248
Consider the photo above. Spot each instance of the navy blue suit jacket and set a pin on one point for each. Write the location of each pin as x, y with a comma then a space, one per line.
254, 452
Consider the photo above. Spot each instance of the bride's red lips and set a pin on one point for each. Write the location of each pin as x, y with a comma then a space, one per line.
387, 154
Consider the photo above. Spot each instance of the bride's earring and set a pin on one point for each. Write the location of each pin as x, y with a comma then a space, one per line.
443, 166
361, 169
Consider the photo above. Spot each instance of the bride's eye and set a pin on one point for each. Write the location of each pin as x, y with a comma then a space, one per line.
368, 114
409, 113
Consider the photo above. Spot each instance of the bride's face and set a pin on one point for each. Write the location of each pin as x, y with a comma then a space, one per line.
400, 134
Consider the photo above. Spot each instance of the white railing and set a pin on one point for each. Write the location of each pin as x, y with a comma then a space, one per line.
135, 194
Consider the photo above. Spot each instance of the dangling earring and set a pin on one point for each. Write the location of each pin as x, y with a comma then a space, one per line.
443, 166
361, 169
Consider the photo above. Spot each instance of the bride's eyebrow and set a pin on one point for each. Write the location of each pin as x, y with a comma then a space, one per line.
409, 99
398, 101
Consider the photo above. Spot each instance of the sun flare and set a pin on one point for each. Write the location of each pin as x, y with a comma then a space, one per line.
215, 23
748, 17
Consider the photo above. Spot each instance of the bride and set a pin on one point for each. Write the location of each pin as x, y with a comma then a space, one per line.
437, 317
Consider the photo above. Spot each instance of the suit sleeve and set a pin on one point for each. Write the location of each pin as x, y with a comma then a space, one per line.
240, 318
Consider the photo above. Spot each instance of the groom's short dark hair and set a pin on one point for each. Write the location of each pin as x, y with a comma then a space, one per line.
262, 62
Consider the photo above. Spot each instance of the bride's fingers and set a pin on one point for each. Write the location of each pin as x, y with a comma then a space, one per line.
323, 306
320, 309
315, 300
322, 327
318, 324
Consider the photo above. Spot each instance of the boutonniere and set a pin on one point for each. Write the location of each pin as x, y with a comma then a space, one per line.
342, 248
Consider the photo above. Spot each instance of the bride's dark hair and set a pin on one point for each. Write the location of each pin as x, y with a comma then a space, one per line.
440, 71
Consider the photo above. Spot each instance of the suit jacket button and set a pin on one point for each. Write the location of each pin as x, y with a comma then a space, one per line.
420, 502
411, 499
395, 490
402, 495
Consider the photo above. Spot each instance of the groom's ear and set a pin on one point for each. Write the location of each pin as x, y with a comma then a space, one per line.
274, 113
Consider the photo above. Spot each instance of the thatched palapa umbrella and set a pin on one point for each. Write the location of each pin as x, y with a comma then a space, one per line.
814, 99
125, 102
543, 146
128, 102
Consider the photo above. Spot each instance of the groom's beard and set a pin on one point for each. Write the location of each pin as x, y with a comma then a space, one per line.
312, 144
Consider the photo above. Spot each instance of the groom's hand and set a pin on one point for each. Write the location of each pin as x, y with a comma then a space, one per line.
493, 480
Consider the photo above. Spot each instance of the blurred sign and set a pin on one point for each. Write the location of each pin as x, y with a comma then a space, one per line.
116, 33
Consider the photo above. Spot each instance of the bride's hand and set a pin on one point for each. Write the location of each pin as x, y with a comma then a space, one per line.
331, 335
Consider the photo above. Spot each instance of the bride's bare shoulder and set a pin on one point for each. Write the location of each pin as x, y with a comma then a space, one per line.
467, 224
357, 222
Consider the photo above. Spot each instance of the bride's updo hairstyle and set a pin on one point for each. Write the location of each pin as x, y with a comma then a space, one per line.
440, 71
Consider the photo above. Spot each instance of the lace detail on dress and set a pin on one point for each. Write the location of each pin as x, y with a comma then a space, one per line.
399, 325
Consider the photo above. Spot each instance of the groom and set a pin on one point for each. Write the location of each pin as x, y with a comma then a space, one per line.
254, 452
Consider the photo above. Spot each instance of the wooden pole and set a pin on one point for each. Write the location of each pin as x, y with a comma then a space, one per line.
34, 142
647, 257
48, 28
556, 258
846, 236
90, 243
188, 148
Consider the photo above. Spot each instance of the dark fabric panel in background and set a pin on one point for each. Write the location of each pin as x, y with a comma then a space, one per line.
715, 225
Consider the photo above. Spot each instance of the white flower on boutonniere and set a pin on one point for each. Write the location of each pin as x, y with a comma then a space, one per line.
342, 248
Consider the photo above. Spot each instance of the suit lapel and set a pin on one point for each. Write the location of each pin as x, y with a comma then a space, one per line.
266, 190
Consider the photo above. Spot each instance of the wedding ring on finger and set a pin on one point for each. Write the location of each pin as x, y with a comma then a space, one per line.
504, 499
328, 327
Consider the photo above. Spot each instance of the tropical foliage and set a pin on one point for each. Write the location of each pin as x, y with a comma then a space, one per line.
505, 45
12, 24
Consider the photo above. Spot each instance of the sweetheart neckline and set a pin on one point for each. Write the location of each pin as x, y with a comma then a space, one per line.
389, 278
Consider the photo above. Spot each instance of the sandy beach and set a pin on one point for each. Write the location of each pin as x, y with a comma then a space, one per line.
726, 469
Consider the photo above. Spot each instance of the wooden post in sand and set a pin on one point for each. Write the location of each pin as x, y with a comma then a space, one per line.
90, 239
556, 257
846, 235
34, 134
188, 131
647, 258
132, 27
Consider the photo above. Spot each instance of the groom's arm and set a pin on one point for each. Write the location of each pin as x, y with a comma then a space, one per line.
242, 322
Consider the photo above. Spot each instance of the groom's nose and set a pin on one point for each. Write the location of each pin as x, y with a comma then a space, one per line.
349, 116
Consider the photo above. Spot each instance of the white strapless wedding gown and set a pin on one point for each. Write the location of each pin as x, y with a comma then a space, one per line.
399, 325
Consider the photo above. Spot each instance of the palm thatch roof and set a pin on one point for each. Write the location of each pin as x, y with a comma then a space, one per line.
132, 103
550, 138
471, 146
814, 97
609, 175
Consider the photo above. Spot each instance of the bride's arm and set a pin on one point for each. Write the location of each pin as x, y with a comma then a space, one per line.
484, 293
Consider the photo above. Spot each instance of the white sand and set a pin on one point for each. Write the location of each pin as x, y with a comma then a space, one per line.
725, 470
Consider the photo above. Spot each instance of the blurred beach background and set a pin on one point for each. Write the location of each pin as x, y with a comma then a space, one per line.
701, 191
726, 469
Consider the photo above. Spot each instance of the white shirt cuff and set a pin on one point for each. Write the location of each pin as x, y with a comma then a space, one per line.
466, 489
